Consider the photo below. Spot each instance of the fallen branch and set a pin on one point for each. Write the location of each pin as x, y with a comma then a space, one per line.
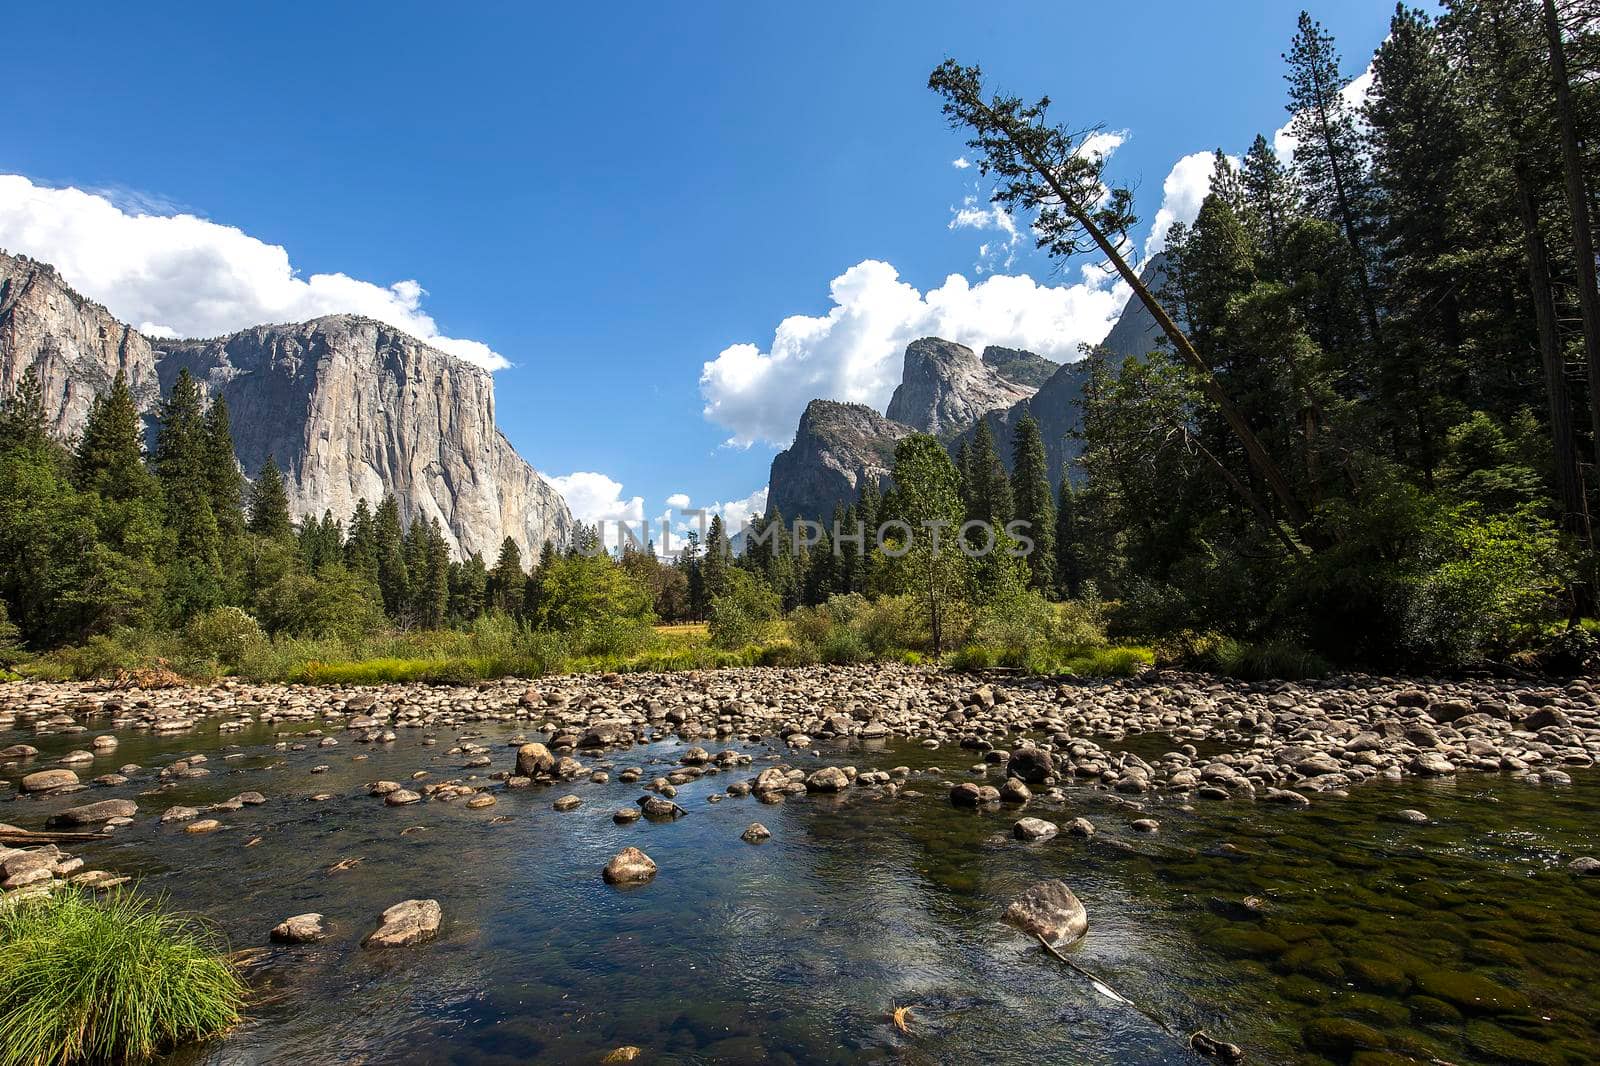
28, 836
1198, 1041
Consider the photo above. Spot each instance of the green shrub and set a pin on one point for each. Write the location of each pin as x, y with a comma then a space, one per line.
1081, 623
107, 980
1016, 623
843, 645
743, 614
225, 634
1119, 661
786, 653
1268, 660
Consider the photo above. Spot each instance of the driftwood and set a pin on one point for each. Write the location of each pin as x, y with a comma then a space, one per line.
24, 837
1197, 1041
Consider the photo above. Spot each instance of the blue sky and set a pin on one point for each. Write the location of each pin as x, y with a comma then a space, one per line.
610, 197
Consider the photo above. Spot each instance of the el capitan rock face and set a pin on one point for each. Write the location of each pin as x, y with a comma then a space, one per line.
945, 387
349, 407
837, 446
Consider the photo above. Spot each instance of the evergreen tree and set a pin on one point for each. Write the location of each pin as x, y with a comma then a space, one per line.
194, 581
431, 594
507, 581
715, 578
361, 546
224, 482
1071, 556
269, 503
988, 487
394, 582
23, 421
1328, 153
1034, 505
109, 459
1271, 200
468, 581
822, 574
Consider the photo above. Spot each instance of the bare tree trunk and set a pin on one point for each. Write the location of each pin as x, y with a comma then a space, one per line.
1578, 204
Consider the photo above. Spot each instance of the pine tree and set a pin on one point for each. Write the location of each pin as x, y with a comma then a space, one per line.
467, 583
224, 482
269, 503
1418, 149
24, 423
715, 578
1328, 153
195, 581
361, 547
1272, 201
109, 459
822, 573
394, 583
507, 581
432, 593
988, 487
1071, 558
1030, 480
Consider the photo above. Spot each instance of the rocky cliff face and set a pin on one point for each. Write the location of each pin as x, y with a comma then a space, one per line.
836, 447
73, 344
349, 407
945, 387
1058, 405
1019, 367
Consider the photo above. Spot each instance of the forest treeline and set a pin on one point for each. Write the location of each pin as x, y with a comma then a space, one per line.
1368, 438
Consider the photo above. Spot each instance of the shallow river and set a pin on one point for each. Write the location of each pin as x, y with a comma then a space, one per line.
1463, 940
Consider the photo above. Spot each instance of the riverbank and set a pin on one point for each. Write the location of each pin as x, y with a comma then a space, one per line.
1276, 741
1236, 878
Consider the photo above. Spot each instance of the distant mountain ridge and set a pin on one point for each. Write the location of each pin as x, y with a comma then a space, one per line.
945, 390
348, 406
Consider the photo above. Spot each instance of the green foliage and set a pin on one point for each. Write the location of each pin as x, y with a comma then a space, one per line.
1268, 660
744, 612
269, 503
225, 634
598, 604
114, 979
335, 603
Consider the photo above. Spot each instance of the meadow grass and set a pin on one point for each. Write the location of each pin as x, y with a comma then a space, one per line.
109, 979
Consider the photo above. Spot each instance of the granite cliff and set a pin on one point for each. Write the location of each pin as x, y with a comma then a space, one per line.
348, 406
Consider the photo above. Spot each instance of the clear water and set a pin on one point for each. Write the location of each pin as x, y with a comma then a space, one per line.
797, 950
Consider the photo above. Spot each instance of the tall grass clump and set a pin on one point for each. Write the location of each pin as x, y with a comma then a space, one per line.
112, 979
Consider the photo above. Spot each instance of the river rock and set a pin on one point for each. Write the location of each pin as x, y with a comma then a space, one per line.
95, 813
1031, 765
300, 929
1034, 829
828, 779
755, 833
630, 866
534, 760
409, 922
49, 780
1049, 909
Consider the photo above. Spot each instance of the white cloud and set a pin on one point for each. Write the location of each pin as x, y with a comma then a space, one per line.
1182, 193
678, 500
960, 163
1103, 143
974, 214
177, 275
594, 497
854, 351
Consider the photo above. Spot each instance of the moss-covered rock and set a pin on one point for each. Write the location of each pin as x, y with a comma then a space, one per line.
1247, 943
1473, 993
1430, 1011
1377, 976
1493, 1042
1341, 1037
1302, 989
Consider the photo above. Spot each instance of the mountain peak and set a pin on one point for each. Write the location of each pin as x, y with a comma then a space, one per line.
945, 387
